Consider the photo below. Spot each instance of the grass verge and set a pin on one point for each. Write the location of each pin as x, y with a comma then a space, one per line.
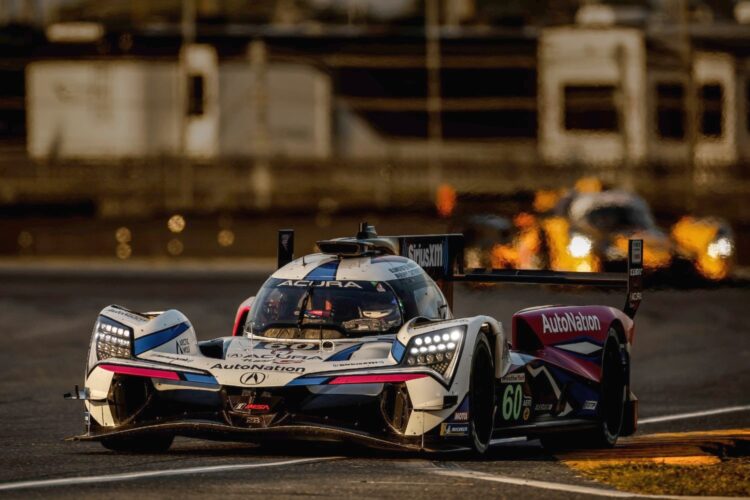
729, 477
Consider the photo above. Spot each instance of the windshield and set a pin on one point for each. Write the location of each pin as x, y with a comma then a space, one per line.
619, 218
324, 309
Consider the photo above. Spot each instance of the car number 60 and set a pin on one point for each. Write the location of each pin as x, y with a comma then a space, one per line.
512, 400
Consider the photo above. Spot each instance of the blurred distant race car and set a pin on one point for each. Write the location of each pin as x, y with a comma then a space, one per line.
358, 343
495, 242
589, 231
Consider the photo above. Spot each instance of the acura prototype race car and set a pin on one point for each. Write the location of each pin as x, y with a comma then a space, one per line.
359, 343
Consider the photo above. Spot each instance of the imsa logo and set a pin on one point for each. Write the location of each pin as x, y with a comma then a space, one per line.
570, 322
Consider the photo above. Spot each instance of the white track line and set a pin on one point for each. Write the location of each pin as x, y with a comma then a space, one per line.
127, 476
545, 485
695, 414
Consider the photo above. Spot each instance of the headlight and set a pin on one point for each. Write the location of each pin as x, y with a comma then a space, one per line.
112, 339
436, 349
579, 246
720, 248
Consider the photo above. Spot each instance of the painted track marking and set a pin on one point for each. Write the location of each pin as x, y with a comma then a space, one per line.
127, 476
567, 488
695, 414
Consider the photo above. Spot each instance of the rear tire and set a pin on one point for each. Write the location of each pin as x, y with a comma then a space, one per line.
481, 396
139, 444
614, 389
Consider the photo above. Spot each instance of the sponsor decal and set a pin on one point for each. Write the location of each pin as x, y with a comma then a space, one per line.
461, 416
636, 272
637, 251
127, 314
570, 322
252, 378
430, 255
183, 346
636, 296
267, 368
454, 429
589, 405
284, 240
257, 407
353, 364
275, 357
543, 407
526, 401
172, 357
405, 271
319, 284
526, 413
514, 378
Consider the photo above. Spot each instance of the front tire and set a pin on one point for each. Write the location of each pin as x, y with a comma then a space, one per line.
139, 444
614, 389
481, 396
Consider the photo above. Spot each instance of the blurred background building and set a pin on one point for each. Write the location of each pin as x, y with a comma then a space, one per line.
135, 108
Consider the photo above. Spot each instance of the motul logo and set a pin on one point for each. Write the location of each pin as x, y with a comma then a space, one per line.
570, 322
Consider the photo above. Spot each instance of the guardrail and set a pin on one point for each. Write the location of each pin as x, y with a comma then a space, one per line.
158, 185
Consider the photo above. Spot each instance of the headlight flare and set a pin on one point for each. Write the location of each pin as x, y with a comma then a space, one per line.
720, 248
579, 246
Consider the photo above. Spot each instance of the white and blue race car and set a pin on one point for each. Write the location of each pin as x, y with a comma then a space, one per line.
358, 343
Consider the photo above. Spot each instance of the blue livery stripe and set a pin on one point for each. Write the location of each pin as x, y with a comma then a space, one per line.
309, 381
397, 350
156, 339
201, 379
345, 354
325, 271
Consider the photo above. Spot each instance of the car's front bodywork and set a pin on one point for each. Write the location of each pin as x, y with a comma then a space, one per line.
393, 388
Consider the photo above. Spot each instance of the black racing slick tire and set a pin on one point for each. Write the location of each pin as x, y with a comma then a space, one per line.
139, 444
481, 396
614, 390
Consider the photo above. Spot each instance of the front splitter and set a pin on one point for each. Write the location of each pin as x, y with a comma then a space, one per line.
217, 431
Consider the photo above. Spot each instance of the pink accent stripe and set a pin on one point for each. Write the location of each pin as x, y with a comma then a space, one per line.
141, 372
376, 379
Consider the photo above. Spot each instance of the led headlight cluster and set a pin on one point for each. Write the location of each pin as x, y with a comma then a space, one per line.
435, 349
112, 339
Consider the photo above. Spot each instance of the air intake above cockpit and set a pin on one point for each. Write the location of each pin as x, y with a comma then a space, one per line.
366, 242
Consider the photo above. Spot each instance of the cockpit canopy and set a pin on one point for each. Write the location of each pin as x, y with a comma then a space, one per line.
288, 308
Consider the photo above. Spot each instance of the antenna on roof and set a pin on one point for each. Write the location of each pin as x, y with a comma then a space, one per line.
366, 231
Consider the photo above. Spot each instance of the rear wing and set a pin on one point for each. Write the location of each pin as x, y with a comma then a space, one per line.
442, 257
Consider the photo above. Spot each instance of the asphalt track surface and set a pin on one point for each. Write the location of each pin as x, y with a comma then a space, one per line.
692, 353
